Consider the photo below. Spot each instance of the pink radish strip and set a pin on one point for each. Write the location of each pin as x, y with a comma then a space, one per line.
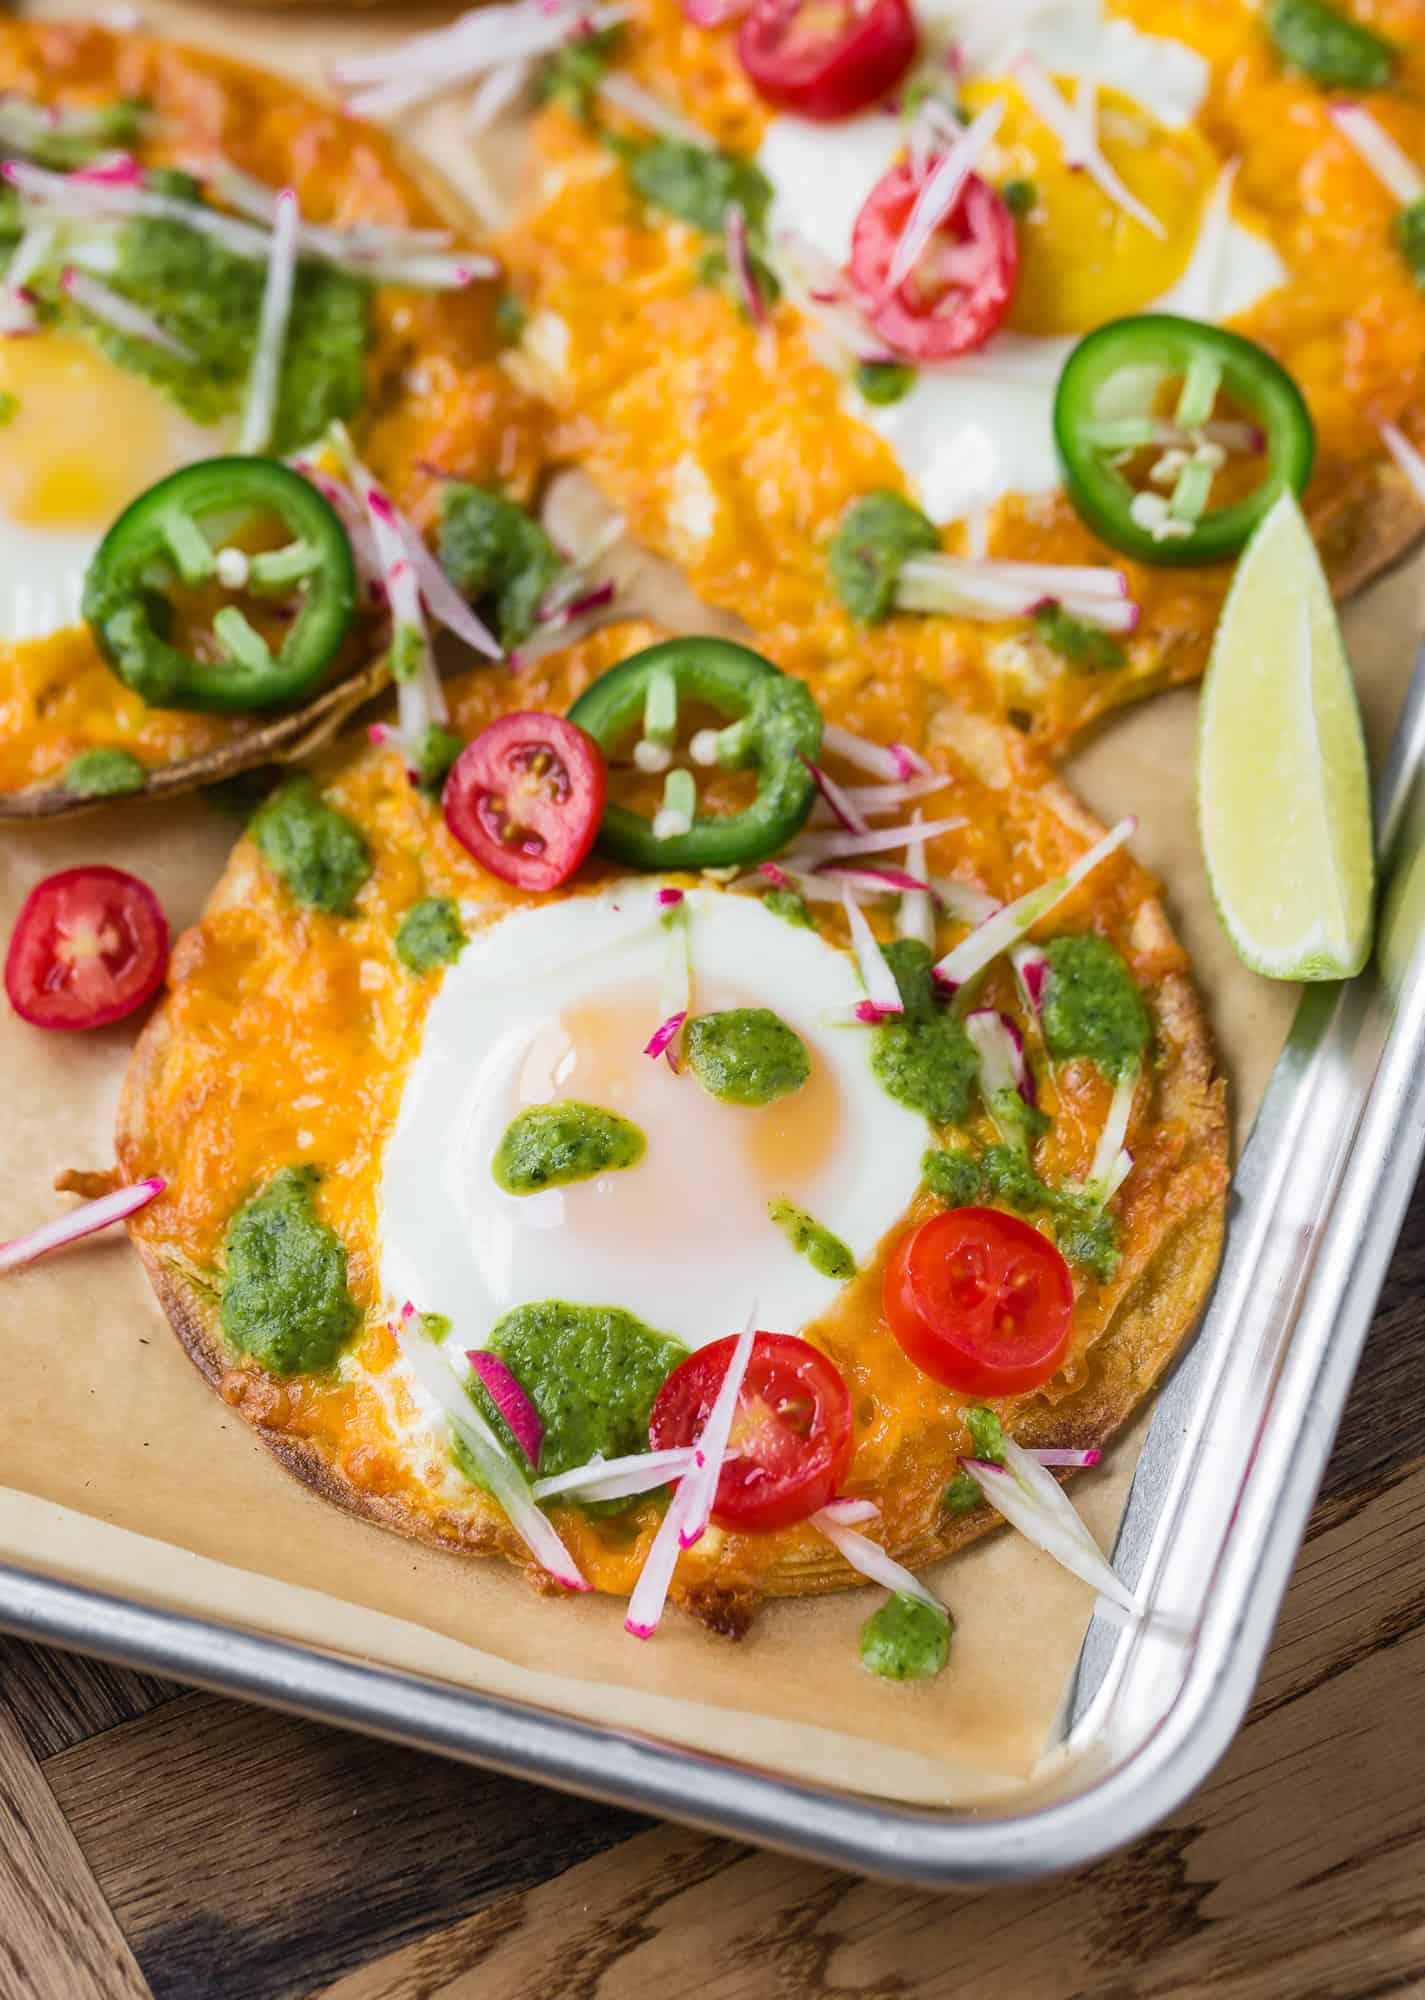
260, 406
72, 195
1009, 924
962, 901
1000, 1049
508, 1485
881, 881
395, 79
1202, 292
18, 313
1059, 1457
1393, 168
835, 797
819, 292
1110, 1143
1044, 99
1031, 972
120, 313
940, 192
699, 1489
739, 261
815, 848
870, 801
889, 761
1031, 1499
615, 1478
80, 1222
649, 111
526, 1426
871, 1560
849, 1513
442, 600
916, 916
661, 1041
254, 199
669, 897
650, 1593
876, 976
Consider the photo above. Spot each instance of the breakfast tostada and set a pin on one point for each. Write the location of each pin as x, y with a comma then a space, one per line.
476, 1149
202, 271
706, 1120
977, 336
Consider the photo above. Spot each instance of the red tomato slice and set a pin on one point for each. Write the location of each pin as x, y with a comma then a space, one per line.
962, 283
791, 1430
825, 59
89, 946
526, 798
980, 1301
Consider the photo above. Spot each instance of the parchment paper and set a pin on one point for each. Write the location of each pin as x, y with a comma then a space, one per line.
122, 1470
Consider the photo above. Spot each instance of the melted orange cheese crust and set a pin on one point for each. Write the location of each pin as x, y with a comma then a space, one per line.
438, 403
654, 375
288, 1035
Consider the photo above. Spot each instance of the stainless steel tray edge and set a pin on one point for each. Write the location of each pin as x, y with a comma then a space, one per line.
1343, 1123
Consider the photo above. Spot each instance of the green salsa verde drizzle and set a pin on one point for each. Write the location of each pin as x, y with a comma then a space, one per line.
104, 773
548, 1145
1091, 1006
747, 1055
283, 1293
906, 1640
592, 1373
1002, 1177
210, 300
429, 934
498, 556
823, 1251
925, 1059
320, 854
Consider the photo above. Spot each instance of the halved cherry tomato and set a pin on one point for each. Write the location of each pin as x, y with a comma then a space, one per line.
980, 1301
526, 798
791, 1431
826, 59
961, 285
89, 946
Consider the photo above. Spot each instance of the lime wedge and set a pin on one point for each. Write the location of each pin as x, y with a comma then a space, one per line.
1283, 790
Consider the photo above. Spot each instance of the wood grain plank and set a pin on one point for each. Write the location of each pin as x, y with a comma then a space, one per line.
58, 1937
58, 1699
1298, 1871
250, 1856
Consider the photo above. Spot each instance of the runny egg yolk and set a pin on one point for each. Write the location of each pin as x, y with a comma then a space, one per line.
84, 437
593, 1054
1082, 258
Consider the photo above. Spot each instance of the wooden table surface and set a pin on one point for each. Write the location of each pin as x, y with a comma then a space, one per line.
157, 1841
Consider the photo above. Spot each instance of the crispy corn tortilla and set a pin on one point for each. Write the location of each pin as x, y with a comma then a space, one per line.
438, 404
263, 994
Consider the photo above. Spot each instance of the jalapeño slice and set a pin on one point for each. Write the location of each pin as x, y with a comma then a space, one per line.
1151, 384
227, 586
774, 726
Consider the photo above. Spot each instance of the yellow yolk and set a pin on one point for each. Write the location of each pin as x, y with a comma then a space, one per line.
85, 437
1082, 258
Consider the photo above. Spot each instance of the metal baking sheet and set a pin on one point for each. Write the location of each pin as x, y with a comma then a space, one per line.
1220, 1501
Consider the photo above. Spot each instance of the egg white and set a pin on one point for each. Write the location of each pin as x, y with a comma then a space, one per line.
977, 428
682, 1239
